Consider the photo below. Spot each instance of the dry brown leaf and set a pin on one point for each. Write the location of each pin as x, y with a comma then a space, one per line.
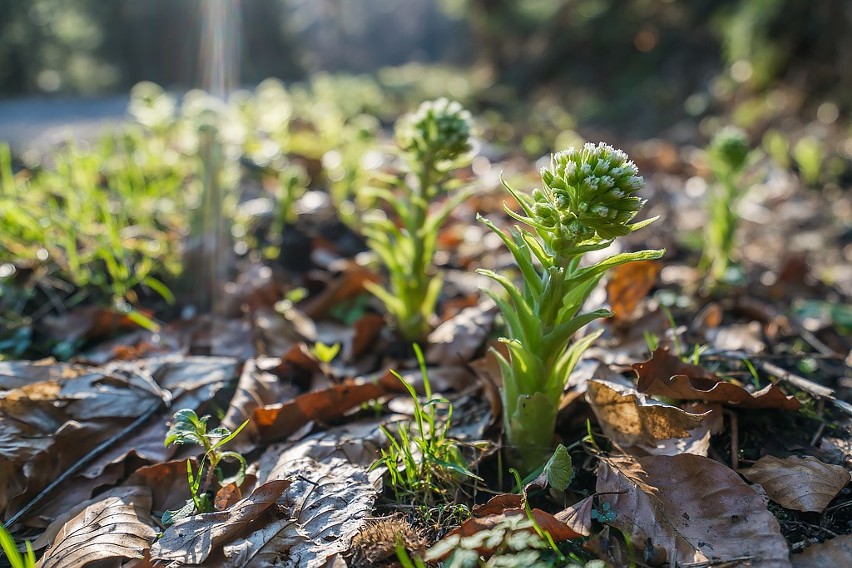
666, 375
331, 501
628, 285
116, 527
279, 421
457, 340
366, 331
130, 494
832, 553
191, 540
260, 384
167, 482
630, 419
345, 285
498, 504
801, 484
578, 516
693, 507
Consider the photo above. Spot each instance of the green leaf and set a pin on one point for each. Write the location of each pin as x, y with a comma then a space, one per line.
186, 428
559, 469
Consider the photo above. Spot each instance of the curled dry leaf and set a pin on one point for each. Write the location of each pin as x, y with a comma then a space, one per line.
630, 419
693, 507
834, 552
110, 529
666, 375
191, 540
801, 484
628, 285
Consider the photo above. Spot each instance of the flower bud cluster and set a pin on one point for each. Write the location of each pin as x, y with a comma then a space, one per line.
588, 193
439, 129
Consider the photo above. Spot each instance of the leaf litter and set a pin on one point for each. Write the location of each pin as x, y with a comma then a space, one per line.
662, 450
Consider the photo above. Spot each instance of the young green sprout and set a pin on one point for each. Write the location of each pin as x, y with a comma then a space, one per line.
188, 428
435, 141
588, 198
728, 156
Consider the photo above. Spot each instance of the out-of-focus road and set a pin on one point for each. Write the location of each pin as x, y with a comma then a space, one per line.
36, 123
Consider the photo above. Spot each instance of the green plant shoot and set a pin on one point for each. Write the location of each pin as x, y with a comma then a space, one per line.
13, 556
587, 200
422, 462
434, 142
188, 428
728, 156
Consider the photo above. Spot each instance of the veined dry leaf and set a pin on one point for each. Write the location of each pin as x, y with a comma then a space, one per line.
666, 375
279, 421
129, 494
191, 540
109, 529
630, 419
834, 552
628, 285
331, 502
693, 507
801, 484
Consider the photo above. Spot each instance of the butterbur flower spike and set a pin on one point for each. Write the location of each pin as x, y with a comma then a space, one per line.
593, 193
588, 198
439, 130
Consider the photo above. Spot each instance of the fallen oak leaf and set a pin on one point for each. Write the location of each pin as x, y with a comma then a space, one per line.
192, 539
666, 375
802, 484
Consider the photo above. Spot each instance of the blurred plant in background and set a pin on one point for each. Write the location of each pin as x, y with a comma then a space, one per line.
729, 155
434, 141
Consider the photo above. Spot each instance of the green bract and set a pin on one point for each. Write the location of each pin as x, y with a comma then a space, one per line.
434, 141
587, 200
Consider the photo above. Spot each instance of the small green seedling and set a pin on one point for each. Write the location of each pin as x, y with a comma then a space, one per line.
325, 353
423, 461
13, 556
188, 428
434, 142
587, 200
729, 154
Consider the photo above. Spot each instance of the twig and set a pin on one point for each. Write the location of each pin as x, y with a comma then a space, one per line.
84, 461
716, 562
735, 441
821, 429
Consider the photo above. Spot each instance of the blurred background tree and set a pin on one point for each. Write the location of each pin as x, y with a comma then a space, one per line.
616, 57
